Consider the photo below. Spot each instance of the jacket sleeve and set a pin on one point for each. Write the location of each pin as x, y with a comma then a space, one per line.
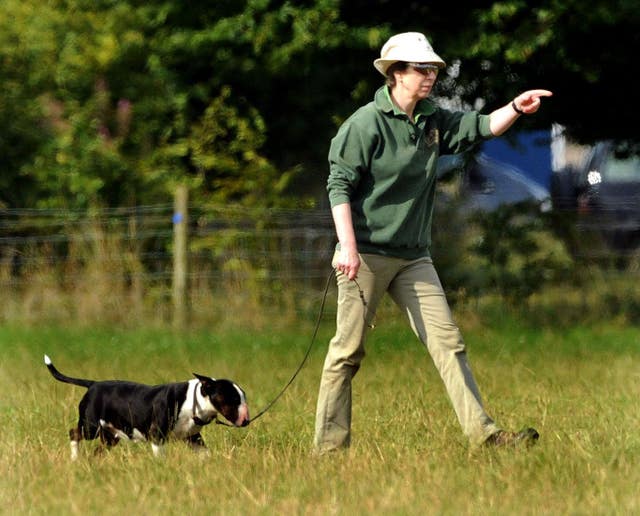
349, 158
459, 131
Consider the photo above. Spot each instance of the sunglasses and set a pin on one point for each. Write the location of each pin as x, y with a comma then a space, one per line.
424, 68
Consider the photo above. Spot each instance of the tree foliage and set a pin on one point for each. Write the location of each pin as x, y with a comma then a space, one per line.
113, 102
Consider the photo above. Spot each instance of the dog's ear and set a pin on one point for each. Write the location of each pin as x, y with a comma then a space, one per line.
206, 380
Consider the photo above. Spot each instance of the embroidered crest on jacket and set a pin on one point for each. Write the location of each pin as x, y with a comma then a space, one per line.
432, 137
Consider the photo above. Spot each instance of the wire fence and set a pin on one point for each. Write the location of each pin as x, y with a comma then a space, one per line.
52, 262
117, 264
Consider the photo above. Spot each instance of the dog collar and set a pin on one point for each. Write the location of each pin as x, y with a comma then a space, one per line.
199, 421
196, 406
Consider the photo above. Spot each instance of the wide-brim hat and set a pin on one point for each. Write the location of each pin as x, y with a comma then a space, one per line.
410, 47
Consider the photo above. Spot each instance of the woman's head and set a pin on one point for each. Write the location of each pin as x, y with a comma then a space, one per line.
401, 67
412, 80
407, 47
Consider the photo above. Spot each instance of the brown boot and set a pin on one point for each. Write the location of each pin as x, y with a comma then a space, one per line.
504, 439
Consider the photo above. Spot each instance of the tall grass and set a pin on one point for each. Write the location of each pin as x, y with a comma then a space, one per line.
579, 387
95, 271
115, 266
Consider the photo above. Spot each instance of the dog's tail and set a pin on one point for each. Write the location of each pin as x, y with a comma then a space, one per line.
66, 379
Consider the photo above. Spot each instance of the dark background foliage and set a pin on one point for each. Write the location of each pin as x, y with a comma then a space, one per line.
114, 102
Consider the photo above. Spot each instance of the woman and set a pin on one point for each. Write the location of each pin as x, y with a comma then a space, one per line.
381, 189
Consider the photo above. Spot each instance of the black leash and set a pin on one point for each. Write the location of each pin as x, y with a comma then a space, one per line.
308, 352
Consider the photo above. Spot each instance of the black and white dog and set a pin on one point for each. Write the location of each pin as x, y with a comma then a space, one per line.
117, 410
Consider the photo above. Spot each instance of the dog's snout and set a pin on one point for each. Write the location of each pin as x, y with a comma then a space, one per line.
243, 415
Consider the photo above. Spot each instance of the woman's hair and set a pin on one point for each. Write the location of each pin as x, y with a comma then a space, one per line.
399, 66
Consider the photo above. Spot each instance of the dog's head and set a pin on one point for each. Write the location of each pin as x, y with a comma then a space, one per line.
227, 398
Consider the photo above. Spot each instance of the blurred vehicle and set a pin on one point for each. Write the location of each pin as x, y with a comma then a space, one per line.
485, 183
604, 192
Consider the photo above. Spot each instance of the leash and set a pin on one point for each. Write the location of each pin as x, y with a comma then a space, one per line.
308, 352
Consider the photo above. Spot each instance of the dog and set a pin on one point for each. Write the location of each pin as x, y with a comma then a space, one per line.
117, 410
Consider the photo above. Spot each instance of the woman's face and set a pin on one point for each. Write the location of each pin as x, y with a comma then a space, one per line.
416, 82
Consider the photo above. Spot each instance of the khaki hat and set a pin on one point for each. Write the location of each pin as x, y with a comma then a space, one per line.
411, 47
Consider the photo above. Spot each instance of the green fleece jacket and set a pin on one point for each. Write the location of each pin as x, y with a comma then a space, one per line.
385, 167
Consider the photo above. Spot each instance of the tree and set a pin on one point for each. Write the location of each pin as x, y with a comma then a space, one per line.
579, 50
113, 102
131, 107
25, 49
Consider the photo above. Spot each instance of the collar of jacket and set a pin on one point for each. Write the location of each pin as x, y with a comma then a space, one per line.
385, 104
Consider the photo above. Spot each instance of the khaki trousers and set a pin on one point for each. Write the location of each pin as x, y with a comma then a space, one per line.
415, 287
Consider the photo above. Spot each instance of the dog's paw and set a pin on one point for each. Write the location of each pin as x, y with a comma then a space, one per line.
202, 453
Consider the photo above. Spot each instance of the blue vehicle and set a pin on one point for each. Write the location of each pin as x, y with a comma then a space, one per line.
487, 183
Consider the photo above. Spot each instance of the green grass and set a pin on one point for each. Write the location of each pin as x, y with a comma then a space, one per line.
579, 387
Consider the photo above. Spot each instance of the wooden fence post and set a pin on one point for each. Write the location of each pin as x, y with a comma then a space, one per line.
180, 267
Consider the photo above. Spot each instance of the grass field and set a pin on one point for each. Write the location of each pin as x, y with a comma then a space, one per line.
580, 387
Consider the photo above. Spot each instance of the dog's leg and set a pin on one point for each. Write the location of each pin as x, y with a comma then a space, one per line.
110, 435
157, 440
157, 449
75, 436
197, 442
